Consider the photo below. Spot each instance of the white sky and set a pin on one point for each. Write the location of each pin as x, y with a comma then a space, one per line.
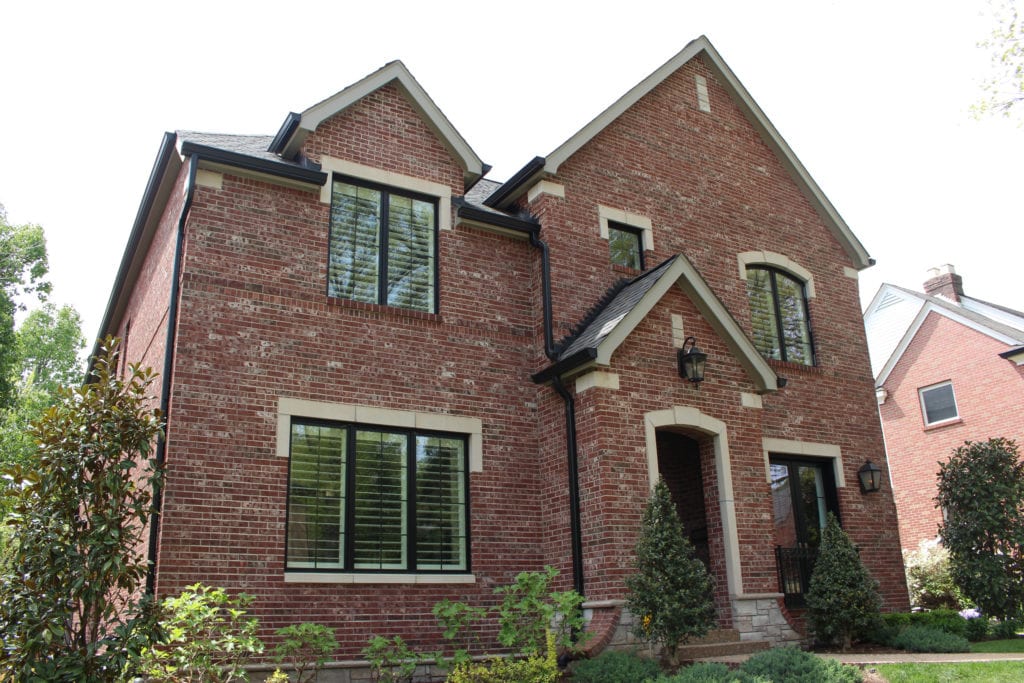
872, 95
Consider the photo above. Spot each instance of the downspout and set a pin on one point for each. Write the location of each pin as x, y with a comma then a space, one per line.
165, 387
570, 420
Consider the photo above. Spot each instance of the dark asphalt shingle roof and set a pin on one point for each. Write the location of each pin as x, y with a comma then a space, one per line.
610, 311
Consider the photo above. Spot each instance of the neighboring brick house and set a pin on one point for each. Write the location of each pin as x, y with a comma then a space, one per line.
949, 368
390, 381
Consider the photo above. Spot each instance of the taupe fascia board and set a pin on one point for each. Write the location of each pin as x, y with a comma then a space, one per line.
158, 189
293, 134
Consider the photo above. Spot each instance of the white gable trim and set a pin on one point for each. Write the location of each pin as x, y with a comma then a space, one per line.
396, 72
911, 332
828, 213
682, 274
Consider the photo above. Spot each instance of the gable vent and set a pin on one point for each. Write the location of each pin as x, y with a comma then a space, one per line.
889, 299
703, 101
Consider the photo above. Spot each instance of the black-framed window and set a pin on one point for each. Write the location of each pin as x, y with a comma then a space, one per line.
626, 245
938, 403
383, 245
778, 312
803, 493
364, 498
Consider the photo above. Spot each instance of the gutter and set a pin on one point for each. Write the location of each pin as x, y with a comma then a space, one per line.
165, 388
508, 191
572, 453
304, 174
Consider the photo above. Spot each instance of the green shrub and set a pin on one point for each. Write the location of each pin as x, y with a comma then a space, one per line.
946, 620
670, 594
710, 672
391, 661
930, 580
796, 666
533, 669
1006, 628
977, 628
615, 666
843, 602
306, 647
928, 639
208, 638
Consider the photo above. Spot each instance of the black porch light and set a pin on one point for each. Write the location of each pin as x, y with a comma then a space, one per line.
870, 476
692, 361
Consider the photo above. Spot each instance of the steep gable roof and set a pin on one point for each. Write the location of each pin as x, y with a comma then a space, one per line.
626, 305
297, 127
998, 322
541, 167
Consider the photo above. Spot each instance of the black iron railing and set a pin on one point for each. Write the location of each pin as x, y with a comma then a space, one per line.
795, 567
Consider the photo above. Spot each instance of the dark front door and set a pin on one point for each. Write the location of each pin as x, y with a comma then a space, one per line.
803, 493
679, 466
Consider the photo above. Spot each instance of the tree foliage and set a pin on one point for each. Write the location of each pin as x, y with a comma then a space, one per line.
48, 343
1004, 91
842, 601
68, 607
23, 269
671, 593
981, 489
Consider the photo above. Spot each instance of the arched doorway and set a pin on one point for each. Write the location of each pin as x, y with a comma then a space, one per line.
680, 468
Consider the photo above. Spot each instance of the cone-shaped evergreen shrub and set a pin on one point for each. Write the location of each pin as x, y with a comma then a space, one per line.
843, 601
670, 595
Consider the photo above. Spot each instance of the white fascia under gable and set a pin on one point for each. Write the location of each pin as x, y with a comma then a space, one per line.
919, 319
997, 314
393, 72
682, 274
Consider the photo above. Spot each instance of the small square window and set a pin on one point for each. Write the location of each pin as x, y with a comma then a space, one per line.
626, 245
938, 403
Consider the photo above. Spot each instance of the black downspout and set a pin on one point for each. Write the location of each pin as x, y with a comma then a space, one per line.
570, 421
165, 387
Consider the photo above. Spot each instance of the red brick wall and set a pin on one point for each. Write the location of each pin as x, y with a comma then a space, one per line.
712, 190
988, 392
256, 325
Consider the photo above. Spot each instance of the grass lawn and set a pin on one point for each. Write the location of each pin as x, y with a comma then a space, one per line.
1011, 645
996, 672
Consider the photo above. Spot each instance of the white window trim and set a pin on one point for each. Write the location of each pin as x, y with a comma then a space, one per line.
924, 411
396, 180
472, 427
633, 220
770, 258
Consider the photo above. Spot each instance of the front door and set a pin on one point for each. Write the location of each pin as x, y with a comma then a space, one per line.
803, 493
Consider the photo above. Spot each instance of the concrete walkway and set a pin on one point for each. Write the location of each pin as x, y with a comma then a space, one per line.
897, 658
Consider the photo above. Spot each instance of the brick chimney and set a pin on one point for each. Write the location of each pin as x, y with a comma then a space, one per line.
943, 281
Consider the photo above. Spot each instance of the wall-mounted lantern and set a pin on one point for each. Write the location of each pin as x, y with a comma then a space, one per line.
870, 476
692, 362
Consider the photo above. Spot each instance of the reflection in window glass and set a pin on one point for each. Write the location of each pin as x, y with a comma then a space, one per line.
939, 403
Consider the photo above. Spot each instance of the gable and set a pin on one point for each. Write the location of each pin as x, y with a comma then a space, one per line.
546, 167
297, 127
605, 332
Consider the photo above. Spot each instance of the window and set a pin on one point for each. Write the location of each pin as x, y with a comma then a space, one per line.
803, 493
938, 404
778, 313
383, 246
626, 245
364, 498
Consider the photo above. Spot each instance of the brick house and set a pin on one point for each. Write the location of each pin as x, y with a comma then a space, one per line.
949, 368
391, 381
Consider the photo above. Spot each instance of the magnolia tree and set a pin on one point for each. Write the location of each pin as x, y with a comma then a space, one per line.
981, 490
78, 511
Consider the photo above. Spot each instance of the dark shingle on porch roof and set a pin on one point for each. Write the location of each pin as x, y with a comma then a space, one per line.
609, 312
